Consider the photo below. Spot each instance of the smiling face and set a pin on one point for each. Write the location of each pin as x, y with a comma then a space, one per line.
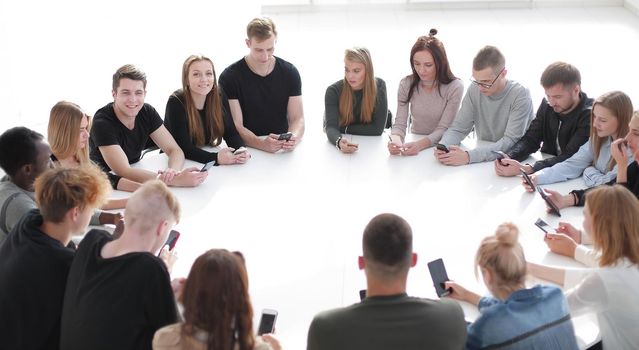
355, 74
604, 122
128, 99
201, 78
424, 65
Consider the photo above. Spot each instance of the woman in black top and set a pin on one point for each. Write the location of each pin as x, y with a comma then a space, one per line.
196, 117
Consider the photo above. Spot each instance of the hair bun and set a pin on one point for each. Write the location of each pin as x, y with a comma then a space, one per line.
432, 32
507, 234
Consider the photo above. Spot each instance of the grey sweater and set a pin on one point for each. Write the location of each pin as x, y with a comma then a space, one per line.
501, 119
14, 203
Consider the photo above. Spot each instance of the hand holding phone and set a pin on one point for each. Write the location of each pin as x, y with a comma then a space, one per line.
543, 226
267, 321
553, 208
439, 276
285, 136
171, 240
239, 150
442, 147
527, 178
207, 166
500, 155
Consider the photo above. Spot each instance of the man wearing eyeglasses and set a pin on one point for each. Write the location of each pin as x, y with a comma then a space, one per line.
498, 109
562, 124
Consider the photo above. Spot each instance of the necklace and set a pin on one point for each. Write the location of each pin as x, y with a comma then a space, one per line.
269, 67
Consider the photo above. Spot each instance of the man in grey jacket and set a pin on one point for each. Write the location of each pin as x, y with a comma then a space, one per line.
498, 109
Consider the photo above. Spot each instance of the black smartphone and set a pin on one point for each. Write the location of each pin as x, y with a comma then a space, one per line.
442, 147
553, 207
439, 276
543, 226
171, 240
267, 321
499, 154
285, 136
207, 166
527, 178
362, 294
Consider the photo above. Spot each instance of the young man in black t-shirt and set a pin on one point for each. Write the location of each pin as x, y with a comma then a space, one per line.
122, 128
265, 93
36, 256
118, 291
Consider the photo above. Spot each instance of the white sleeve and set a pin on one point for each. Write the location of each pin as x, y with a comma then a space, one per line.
589, 295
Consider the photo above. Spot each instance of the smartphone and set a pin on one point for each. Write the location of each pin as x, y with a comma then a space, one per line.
442, 147
553, 207
285, 136
499, 154
362, 294
239, 150
543, 226
527, 178
353, 145
207, 166
172, 240
267, 321
439, 276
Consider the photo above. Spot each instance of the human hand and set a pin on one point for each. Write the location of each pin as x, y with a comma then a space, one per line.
507, 167
413, 148
272, 144
533, 179
291, 143
189, 177
460, 293
271, 340
167, 175
169, 257
395, 145
346, 146
177, 284
109, 218
570, 231
618, 151
558, 199
455, 156
561, 244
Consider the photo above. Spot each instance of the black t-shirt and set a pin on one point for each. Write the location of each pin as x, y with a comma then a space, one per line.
33, 275
176, 121
264, 100
107, 130
115, 303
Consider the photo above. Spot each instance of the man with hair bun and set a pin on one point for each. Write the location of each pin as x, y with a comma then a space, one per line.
561, 126
388, 318
36, 256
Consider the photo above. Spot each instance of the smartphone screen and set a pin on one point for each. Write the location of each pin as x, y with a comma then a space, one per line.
543, 226
362, 294
442, 147
267, 322
207, 166
439, 276
285, 136
553, 208
171, 240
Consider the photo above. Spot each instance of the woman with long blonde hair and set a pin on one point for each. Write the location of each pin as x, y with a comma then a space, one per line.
357, 104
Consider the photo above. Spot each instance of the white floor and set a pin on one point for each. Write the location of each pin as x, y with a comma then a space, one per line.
298, 217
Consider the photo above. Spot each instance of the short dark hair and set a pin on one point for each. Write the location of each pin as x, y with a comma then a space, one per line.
489, 56
388, 244
128, 71
18, 148
560, 73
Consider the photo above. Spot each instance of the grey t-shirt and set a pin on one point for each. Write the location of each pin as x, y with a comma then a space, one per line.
14, 203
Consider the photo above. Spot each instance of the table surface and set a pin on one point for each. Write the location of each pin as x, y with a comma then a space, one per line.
298, 218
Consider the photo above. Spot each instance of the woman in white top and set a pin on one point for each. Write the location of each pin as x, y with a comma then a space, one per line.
611, 217
217, 309
429, 98
611, 113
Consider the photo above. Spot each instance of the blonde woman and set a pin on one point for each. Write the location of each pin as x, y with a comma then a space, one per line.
356, 104
611, 218
514, 316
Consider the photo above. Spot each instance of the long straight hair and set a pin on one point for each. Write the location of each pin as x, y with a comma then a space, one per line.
621, 106
369, 93
213, 121
216, 301
63, 131
443, 74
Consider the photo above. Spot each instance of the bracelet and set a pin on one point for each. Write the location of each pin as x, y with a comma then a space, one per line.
337, 143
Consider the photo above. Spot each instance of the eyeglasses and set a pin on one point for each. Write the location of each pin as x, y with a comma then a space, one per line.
488, 86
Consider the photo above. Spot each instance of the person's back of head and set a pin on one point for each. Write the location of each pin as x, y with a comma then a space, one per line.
489, 57
614, 213
388, 247
216, 300
128, 71
260, 29
502, 255
18, 147
61, 189
152, 208
560, 73
64, 130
